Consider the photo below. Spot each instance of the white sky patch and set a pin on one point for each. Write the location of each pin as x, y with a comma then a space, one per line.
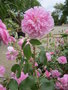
49, 4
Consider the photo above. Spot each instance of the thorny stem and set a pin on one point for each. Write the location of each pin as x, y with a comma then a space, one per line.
34, 59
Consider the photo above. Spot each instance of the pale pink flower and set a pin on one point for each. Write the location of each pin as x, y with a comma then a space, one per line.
20, 42
37, 22
2, 88
66, 31
10, 48
58, 86
47, 74
2, 71
12, 39
64, 81
4, 35
36, 64
55, 73
11, 53
22, 77
48, 56
62, 60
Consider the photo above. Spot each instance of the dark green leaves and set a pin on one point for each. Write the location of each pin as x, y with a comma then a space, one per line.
27, 84
42, 57
35, 42
13, 85
16, 69
46, 84
27, 51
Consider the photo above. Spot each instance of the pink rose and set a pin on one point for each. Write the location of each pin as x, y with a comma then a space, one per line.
22, 77
20, 42
4, 35
36, 64
2, 71
66, 31
62, 60
48, 56
37, 22
55, 73
64, 82
47, 74
12, 39
59, 86
2, 88
11, 53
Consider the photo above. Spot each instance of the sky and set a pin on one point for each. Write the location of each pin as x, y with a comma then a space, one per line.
49, 4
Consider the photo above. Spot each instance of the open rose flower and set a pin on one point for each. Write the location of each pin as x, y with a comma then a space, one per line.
12, 39
2, 88
55, 73
66, 31
62, 60
63, 82
2, 71
37, 22
11, 53
22, 77
20, 42
4, 35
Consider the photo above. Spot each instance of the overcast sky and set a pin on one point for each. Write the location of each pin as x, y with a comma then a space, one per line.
48, 4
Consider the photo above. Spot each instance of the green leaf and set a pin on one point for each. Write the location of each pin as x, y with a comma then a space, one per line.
13, 85
16, 69
42, 57
27, 67
24, 44
27, 83
46, 84
35, 42
27, 51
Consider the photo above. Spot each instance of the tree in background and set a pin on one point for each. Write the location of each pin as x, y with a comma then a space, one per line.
60, 13
11, 12
65, 11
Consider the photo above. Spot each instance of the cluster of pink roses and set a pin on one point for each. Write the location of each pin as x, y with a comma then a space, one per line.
61, 59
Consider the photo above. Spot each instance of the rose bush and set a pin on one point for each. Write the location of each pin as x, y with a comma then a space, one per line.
42, 70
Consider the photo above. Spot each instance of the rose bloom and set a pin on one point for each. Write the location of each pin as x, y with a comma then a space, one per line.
22, 77
2, 71
55, 73
2, 88
36, 64
64, 82
12, 39
48, 56
62, 60
66, 31
4, 35
11, 53
20, 42
37, 22
47, 74
58, 86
